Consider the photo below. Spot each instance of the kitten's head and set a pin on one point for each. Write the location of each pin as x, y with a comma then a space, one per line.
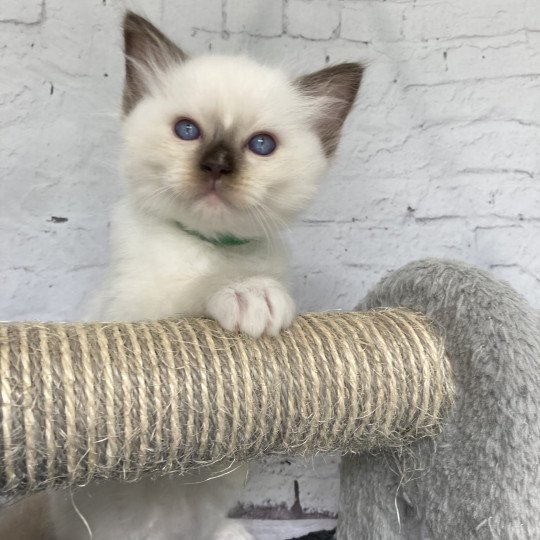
223, 144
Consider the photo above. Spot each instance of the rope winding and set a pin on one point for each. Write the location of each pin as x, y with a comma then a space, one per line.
82, 402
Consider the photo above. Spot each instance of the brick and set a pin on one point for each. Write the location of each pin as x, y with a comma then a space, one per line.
406, 241
493, 145
463, 18
180, 17
312, 19
484, 196
512, 98
508, 245
531, 15
257, 17
505, 59
26, 12
372, 21
436, 63
506, 252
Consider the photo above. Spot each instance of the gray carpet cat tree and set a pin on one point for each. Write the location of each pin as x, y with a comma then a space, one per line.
84, 402
481, 477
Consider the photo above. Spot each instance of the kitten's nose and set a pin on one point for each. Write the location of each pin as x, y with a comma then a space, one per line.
217, 162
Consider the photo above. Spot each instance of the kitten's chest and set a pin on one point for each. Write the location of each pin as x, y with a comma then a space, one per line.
171, 273
155, 249
161, 272
158, 270
178, 258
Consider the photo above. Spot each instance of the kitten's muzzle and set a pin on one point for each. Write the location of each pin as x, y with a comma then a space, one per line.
217, 162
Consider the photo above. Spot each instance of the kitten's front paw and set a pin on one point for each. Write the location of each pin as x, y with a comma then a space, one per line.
256, 306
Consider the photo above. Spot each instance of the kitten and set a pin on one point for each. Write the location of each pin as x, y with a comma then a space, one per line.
220, 154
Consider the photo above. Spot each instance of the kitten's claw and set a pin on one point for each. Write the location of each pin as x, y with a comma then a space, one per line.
255, 306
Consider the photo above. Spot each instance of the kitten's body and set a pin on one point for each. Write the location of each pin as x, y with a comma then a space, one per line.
168, 253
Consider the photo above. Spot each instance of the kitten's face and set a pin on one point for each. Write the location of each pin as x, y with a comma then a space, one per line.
221, 144
214, 181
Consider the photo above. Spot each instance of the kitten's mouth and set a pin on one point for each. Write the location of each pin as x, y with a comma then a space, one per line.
213, 198
214, 194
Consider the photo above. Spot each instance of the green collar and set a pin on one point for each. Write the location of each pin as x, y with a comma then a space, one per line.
223, 240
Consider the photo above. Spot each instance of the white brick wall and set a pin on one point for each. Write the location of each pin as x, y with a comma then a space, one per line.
440, 156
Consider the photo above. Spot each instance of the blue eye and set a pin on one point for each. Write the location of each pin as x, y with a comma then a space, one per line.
187, 130
262, 144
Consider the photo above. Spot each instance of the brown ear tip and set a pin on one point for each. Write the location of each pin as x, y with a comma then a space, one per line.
132, 20
354, 68
354, 65
353, 71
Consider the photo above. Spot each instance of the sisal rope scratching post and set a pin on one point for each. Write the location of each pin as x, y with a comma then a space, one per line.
82, 402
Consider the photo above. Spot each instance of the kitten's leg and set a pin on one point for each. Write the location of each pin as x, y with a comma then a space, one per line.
234, 530
256, 305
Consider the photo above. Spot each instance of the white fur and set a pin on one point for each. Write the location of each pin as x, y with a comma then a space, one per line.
158, 270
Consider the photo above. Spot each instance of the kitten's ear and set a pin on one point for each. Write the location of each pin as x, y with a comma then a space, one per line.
148, 53
340, 85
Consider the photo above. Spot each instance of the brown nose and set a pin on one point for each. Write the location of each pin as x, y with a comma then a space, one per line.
217, 162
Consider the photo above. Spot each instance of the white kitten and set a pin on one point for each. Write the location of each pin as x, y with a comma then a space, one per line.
220, 153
